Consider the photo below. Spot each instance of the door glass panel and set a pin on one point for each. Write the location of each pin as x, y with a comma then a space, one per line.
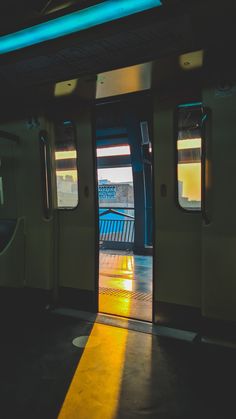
189, 148
66, 166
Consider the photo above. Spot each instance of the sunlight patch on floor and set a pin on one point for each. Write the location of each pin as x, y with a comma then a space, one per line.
95, 388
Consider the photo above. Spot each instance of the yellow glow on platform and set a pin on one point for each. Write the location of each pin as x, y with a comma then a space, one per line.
120, 306
130, 263
128, 285
126, 266
122, 267
95, 388
118, 277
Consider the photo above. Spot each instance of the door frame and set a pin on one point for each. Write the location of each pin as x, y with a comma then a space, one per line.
113, 99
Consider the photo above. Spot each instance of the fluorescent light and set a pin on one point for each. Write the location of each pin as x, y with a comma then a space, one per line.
98, 14
190, 105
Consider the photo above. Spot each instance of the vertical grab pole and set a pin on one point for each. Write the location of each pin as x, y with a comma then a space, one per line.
46, 175
206, 169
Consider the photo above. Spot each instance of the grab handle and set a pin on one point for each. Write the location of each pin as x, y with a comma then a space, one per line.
206, 136
46, 175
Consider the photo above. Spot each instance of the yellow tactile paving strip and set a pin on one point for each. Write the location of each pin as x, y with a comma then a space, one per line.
120, 280
136, 295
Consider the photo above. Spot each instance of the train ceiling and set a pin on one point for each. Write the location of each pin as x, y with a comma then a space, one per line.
178, 26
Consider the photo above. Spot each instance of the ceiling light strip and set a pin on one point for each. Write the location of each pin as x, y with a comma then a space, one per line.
80, 20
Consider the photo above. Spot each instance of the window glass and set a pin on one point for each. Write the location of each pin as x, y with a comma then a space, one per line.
189, 146
66, 165
123, 150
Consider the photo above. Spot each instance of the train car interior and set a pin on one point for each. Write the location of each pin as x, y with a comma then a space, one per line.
117, 209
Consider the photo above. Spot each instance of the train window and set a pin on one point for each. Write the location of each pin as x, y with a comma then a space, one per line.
66, 165
189, 152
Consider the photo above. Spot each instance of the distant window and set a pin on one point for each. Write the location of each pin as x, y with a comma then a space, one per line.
115, 187
66, 165
121, 150
189, 148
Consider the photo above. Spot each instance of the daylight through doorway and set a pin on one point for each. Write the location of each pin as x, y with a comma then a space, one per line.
125, 274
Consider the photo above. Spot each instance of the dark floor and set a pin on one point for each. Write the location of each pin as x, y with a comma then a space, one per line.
120, 373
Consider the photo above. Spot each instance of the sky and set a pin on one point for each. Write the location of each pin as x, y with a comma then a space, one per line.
116, 174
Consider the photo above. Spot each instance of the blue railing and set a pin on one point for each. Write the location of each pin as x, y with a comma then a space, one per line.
116, 226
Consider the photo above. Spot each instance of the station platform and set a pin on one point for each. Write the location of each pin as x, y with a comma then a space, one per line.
125, 284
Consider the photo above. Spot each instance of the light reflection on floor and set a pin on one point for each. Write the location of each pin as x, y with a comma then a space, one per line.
94, 391
130, 273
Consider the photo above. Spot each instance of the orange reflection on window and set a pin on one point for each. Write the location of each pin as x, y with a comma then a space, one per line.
189, 173
189, 178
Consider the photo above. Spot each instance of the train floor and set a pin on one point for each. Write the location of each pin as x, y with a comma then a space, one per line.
115, 373
125, 284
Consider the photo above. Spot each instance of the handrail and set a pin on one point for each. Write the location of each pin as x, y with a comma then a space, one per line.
116, 207
9, 136
19, 221
205, 126
45, 156
112, 211
117, 231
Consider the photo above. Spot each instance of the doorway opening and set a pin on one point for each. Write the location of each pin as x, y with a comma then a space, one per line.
124, 174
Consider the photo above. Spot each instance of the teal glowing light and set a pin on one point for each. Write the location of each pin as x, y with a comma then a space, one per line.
98, 14
190, 105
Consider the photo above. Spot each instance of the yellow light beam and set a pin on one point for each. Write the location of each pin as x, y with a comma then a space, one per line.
95, 388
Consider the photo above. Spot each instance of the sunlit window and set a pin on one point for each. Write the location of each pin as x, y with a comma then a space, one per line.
123, 150
189, 146
66, 166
